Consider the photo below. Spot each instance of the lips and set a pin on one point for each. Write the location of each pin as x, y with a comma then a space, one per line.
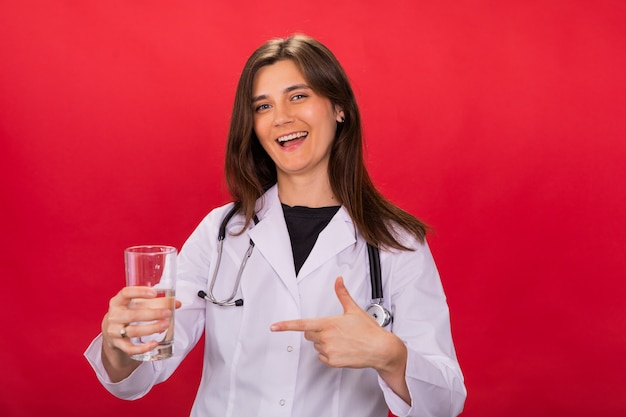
283, 140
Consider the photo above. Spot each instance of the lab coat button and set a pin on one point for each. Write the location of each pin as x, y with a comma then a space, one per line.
289, 348
282, 402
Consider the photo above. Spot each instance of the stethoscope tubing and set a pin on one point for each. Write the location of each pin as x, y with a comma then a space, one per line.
382, 316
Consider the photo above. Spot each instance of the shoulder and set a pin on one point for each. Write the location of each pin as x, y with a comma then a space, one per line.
201, 242
215, 216
417, 256
405, 237
210, 224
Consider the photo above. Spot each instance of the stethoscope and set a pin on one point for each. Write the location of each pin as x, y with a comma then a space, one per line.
375, 309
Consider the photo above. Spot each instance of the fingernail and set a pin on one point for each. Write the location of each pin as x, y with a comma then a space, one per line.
274, 327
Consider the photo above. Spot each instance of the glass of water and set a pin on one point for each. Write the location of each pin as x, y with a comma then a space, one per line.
153, 266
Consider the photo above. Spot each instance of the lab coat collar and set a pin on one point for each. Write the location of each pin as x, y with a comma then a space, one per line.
271, 239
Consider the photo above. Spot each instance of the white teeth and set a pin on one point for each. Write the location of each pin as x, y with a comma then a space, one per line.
292, 136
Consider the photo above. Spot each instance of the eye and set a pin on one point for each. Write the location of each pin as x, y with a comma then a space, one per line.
297, 97
261, 107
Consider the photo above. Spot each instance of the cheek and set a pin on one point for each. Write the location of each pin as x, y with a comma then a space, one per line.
260, 129
264, 138
331, 128
324, 118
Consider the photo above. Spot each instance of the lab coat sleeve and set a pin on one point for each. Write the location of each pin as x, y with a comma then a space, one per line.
192, 270
422, 322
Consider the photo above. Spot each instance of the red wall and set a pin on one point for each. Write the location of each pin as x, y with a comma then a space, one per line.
502, 124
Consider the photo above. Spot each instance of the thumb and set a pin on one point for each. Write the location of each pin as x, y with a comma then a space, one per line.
344, 296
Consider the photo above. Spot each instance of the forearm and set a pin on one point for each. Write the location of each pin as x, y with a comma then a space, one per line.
129, 387
117, 364
393, 368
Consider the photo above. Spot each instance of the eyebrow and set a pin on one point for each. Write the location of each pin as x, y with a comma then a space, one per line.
285, 91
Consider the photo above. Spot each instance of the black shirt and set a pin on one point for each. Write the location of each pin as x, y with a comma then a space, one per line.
304, 225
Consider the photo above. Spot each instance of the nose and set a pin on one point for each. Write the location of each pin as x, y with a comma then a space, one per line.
282, 114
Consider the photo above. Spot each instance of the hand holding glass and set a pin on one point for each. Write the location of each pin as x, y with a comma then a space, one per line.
155, 267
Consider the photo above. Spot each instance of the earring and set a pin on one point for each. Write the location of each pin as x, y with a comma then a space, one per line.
343, 119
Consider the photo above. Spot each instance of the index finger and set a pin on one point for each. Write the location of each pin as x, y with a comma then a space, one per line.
299, 325
126, 294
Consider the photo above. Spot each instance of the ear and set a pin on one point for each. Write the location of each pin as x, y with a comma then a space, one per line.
339, 114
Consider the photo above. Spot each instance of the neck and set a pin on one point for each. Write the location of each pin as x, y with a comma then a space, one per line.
306, 192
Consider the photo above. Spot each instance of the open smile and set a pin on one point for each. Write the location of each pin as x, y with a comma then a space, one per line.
282, 140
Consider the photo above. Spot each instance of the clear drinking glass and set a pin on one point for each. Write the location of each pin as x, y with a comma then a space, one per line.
153, 266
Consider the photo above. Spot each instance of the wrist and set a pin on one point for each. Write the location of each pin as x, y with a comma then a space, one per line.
394, 356
393, 369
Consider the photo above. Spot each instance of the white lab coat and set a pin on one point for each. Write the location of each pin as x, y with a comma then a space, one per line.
250, 371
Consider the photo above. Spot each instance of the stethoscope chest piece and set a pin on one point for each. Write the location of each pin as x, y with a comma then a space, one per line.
379, 313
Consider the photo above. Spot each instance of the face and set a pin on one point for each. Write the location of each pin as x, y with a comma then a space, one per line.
295, 126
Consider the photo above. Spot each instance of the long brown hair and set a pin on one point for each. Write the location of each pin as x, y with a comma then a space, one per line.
250, 171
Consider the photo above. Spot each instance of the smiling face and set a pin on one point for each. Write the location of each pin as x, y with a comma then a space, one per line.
295, 126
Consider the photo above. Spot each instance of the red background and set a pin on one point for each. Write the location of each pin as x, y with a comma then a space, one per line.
502, 124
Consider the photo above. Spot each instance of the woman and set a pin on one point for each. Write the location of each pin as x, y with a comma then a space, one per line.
301, 344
